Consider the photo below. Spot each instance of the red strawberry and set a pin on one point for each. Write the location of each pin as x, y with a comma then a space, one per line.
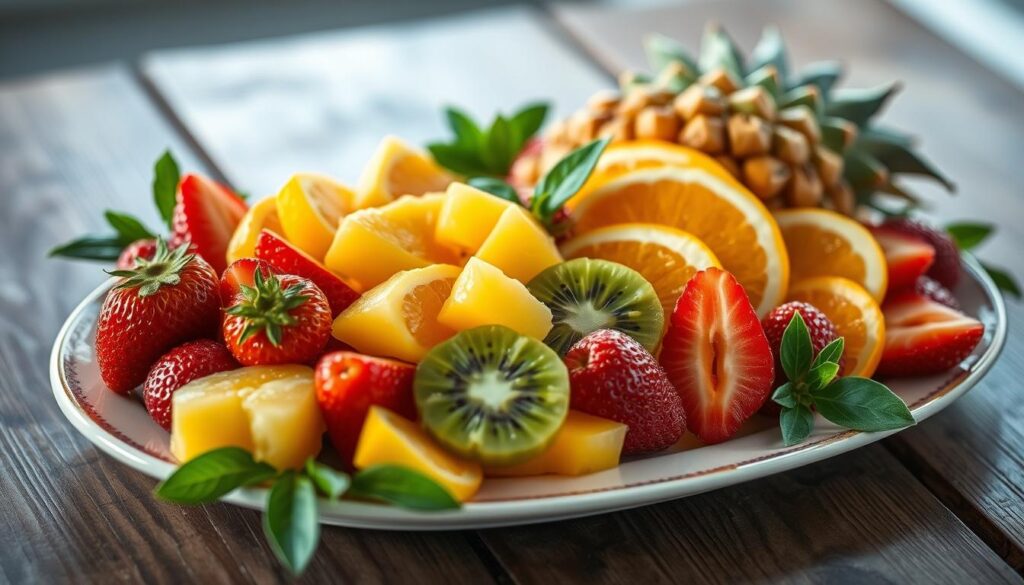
157, 305
931, 288
946, 267
924, 337
206, 214
717, 356
138, 249
822, 331
279, 320
178, 367
348, 384
613, 376
287, 259
908, 256
240, 272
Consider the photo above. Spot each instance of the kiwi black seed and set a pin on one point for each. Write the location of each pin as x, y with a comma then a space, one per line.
588, 294
492, 395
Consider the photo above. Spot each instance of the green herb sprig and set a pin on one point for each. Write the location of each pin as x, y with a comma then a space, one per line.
487, 152
290, 520
967, 237
852, 402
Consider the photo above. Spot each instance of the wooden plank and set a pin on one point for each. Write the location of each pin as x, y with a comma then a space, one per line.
71, 145
857, 518
972, 125
322, 102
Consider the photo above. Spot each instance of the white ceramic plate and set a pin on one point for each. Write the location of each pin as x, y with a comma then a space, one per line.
121, 427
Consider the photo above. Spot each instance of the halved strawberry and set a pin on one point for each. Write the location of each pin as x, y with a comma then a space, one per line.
241, 271
925, 337
206, 214
287, 259
717, 356
909, 257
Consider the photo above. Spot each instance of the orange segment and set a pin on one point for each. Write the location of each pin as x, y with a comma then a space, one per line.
697, 199
666, 257
855, 314
825, 243
310, 207
397, 169
262, 215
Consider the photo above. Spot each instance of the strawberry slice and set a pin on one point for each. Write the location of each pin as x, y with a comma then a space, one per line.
925, 337
206, 214
717, 356
909, 257
287, 259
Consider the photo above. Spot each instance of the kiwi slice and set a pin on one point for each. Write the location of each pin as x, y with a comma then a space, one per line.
492, 395
587, 294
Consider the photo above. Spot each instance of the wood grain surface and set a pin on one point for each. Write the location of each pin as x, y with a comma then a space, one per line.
74, 143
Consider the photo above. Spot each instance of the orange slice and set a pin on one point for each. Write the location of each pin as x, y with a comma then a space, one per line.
665, 256
262, 215
697, 199
397, 169
855, 314
636, 154
825, 243
310, 207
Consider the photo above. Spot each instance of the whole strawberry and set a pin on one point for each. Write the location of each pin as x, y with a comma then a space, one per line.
822, 331
613, 376
279, 320
162, 302
946, 266
181, 365
238, 273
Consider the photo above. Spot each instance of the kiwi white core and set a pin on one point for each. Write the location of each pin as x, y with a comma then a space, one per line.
587, 318
490, 389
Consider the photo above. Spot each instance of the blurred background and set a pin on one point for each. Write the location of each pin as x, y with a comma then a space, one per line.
40, 35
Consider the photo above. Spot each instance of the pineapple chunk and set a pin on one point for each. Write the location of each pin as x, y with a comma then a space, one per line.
584, 444
483, 295
468, 216
248, 408
519, 246
387, 438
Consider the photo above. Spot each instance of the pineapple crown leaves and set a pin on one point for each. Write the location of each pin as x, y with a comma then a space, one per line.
476, 151
164, 268
873, 156
267, 307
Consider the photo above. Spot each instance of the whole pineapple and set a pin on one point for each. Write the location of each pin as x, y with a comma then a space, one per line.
792, 139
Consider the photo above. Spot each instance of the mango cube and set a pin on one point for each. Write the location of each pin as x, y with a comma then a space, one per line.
483, 295
584, 444
519, 246
468, 216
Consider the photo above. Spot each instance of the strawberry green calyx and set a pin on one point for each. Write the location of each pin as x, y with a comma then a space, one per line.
267, 307
163, 269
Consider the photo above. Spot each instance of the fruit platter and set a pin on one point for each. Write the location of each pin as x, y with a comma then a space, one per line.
710, 274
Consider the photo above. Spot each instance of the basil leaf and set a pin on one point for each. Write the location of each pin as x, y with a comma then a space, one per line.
830, 353
796, 424
457, 159
290, 521
1002, 279
969, 235
821, 375
784, 397
127, 227
401, 486
862, 404
566, 178
496, 187
105, 248
525, 123
797, 351
166, 176
212, 475
331, 482
467, 133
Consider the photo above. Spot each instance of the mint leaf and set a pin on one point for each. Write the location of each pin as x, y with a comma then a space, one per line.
166, 176
128, 228
105, 248
796, 351
212, 475
796, 424
830, 353
526, 122
329, 481
967, 236
489, 152
784, 396
821, 375
458, 159
496, 187
1003, 280
497, 152
290, 521
566, 178
401, 486
862, 404
467, 133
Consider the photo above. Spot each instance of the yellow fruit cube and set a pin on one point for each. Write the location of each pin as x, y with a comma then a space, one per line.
387, 438
262, 215
468, 216
483, 295
397, 169
519, 246
310, 207
398, 318
247, 408
584, 444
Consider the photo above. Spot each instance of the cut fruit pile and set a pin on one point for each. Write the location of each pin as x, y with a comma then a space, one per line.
451, 334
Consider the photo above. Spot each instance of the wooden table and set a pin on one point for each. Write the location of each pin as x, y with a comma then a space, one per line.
942, 502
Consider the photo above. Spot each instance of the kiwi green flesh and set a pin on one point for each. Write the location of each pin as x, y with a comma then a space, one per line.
588, 294
492, 395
